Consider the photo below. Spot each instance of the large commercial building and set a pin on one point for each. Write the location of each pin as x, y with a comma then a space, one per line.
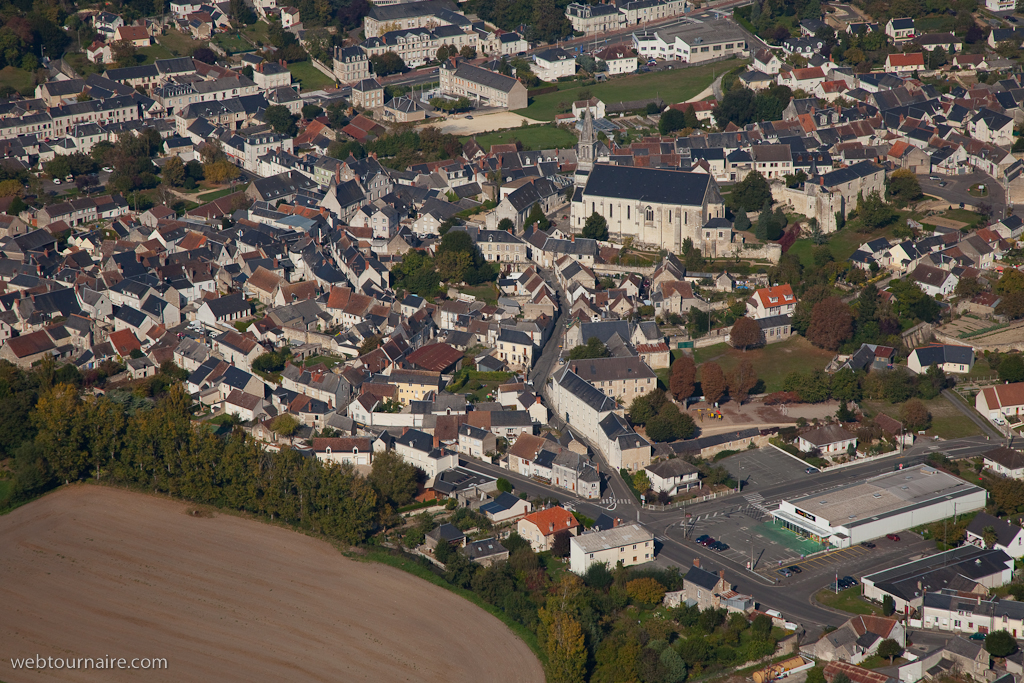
889, 503
692, 42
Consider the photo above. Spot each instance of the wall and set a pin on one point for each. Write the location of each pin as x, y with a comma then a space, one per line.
322, 68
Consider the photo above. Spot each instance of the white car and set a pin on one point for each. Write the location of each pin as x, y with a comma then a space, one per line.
69, 179
107, 169
56, 181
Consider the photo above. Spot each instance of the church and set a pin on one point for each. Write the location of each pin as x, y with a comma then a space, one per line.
656, 207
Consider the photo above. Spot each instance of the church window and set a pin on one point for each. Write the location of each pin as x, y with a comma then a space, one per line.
649, 215
627, 213
611, 210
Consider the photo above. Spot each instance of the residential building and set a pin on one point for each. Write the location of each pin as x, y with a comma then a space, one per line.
619, 58
368, 94
622, 378
476, 442
857, 639
829, 439
351, 64
948, 357
769, 302
904, 63
629, 544
553, 63
594, 19
692, 42
900, 30
485, 88
382, 18
539, 528
1004, 461
1008, 536
1000, 400
703, 588
672, 476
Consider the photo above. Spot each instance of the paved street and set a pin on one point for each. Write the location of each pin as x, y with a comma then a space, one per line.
955, 190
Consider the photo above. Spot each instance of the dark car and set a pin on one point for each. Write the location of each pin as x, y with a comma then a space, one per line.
867, 544
893, 537
795, 569
812, 470
700, 539
843, 585
707, 542
850, 580
718, 546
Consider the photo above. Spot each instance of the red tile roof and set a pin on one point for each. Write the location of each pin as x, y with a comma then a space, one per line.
124, 342
552, 520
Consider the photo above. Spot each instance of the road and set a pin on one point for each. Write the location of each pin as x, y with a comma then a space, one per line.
986, 427
955, 191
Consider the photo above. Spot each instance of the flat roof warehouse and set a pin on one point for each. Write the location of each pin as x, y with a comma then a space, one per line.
885, 504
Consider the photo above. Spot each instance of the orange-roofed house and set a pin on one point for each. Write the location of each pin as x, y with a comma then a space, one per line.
802, 79
905, 155
831, 90
771, 301
902, 63
136, 35
124, 342
998, 401
539, 528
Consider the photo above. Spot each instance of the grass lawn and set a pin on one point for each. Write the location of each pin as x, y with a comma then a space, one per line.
257, 33
964, 216
179, 43
6, 489
308, 75
876, 662
532, 138
210, 196
803, 250
232, 43
947, 421
19, 79
771, 363
154, 52
676, 85
329, 361
848, 600
83, 66
485, 292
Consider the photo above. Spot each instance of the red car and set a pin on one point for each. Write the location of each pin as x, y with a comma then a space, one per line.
892, 537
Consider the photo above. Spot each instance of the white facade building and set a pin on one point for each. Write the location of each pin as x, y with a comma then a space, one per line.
630, 545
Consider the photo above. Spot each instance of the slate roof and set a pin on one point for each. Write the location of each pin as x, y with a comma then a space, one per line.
647, 184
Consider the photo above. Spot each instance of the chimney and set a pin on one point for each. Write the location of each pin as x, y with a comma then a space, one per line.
404, 430
821, 180
538, 400
696, 562
721, 573
437, 441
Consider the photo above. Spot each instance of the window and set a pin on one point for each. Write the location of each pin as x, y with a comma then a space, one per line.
649, 215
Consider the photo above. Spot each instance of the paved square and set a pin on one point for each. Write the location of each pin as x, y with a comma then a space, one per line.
764, 467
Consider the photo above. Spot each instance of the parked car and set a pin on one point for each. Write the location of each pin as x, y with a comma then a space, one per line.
812, 470
892, 537
795, 569
707, 541
943, 183
69, 178
850, 580
786, 572
56, 181
718, 546
867, 544
107, 169
469, 118
700, 539
934, 177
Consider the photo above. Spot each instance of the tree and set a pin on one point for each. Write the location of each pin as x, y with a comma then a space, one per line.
968, 287
537, 217
1012, 305
742, 221
712, 382
1012, 280
205, 55
671, 121
468, 52
596, 227
567, 652
282, 120
815, 675
915, 415
123, 53
742, 380
888, 608
1000, 644
387, 64
507, 225
1011, 368
174, 171
452, 265
745, 333
503, 485
751, 193
874, 213
641, 482
683, 377
645, 590
442, 53
989, 536
831, 324
311, 111
902, 187
393, 478
737, 107
594, 348
890, 648
560, 543
285, 424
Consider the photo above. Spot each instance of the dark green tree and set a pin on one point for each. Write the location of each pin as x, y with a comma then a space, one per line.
280, 119
596, 227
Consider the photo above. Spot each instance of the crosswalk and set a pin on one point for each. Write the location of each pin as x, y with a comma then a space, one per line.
616, 501
754, 498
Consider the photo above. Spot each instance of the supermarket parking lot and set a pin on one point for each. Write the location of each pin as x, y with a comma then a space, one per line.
764, 467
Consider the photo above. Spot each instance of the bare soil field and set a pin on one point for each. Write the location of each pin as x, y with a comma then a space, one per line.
90, 571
